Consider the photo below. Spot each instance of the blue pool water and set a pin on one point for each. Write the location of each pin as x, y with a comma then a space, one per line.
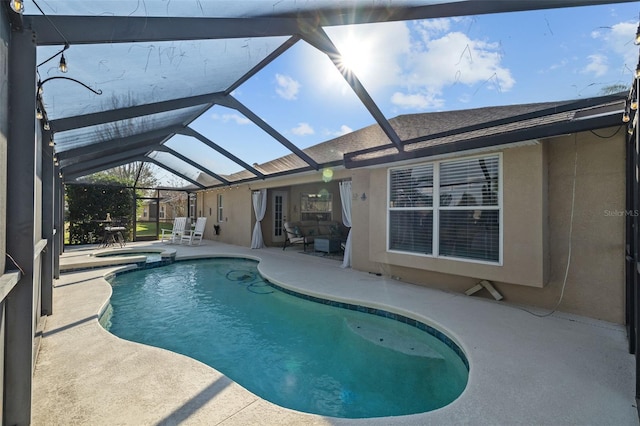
296, 353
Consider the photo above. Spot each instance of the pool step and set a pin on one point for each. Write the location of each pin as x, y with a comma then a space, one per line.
390, 339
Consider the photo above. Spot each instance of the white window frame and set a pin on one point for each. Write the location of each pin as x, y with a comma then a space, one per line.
192, 199
220, 209
436, 209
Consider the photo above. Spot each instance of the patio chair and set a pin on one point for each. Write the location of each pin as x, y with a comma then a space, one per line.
294, 236
190, 237
174, 234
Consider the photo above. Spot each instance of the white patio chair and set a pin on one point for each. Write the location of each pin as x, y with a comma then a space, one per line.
190, 237
174, 234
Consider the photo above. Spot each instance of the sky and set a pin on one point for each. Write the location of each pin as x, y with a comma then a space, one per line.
426, 66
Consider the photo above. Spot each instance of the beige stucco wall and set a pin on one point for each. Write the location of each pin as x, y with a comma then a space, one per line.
537, 181
237, 211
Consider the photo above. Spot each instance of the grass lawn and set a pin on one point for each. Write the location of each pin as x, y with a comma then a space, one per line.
149, 229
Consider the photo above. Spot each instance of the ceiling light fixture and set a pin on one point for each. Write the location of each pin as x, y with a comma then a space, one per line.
626, 114
63, 64
17, 6
39, 114
637, 40
631, 127
632, 99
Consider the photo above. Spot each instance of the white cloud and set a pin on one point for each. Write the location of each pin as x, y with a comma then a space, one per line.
236, 118
411, 64
563, 63
303, 129
451, 59
344, 129
433, 27
618, 40
436, 25
416, 100
455, 58
287, 88
597, 65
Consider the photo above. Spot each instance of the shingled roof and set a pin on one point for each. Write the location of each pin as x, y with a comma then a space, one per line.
438, 132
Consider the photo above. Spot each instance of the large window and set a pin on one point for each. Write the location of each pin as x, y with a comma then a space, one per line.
447, 209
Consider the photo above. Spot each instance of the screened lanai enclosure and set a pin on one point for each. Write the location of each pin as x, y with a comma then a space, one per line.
100, 84
139, 75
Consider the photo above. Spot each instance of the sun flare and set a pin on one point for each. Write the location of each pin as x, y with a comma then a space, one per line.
355, 55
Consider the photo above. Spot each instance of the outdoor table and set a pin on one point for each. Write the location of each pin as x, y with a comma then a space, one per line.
111, 234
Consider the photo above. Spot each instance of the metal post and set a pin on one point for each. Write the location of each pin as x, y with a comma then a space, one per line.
58, 221
48, 206
636, 206
21, 175
630, 241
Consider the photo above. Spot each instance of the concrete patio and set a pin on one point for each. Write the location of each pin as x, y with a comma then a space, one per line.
561, 369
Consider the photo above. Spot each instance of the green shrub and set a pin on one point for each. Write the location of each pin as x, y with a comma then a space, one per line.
89, 204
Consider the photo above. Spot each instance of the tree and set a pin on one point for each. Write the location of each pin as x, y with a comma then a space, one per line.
90, 204
613, 89
137, 173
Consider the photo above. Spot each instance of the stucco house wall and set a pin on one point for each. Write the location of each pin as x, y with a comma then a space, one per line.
237, 215
537, 193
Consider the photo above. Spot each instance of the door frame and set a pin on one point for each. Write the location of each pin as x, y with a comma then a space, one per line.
275, 225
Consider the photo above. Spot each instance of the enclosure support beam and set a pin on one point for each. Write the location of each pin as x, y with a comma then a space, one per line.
108, 159
188, 131
175, 172
21, 175
194, 164
231, 102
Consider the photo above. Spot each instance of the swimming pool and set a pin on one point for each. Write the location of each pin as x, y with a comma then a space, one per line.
296, 353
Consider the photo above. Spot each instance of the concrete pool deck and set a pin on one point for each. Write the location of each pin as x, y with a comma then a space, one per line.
561, 369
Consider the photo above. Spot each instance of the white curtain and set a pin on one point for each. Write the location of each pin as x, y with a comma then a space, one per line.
259, 207
345, 198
